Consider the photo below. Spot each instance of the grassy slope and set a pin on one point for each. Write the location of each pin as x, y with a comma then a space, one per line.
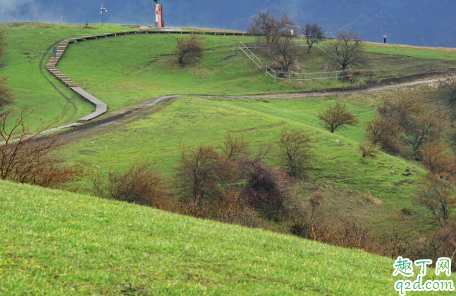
195, 121
27, 43
59, 243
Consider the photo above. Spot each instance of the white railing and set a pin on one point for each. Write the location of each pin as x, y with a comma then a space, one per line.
304, 76
296, 76
251, 55
330, 53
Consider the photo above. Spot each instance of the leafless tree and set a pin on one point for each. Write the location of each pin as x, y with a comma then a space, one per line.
285, 54
385, 132
138, 184
349, 47
337, 116
438, 160
294, 151
270, 28
189, 50
438, 195
25, 157
314, 33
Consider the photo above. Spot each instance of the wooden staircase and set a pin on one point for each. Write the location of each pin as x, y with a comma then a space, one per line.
100, 107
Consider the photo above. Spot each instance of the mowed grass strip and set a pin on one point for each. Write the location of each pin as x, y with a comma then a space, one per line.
59, 243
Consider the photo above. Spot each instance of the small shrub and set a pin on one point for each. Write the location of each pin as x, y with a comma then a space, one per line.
189, 50
406, 211
294, 151
138, 185
367, 150
337, 117
265, 193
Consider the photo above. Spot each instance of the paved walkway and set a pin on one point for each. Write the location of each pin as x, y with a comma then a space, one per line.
100, 107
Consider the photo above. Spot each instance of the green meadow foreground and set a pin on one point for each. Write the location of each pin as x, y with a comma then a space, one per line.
59, 243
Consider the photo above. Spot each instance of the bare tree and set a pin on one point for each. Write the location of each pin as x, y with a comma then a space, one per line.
438, 195
294, 151
349, 48
314, 33
438, 160
188, 50
284, 54
337, 116
424, 127
138, 185
385, 132
270, 28
27, 158
234, 147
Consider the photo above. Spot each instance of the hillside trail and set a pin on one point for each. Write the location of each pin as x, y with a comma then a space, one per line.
147, 108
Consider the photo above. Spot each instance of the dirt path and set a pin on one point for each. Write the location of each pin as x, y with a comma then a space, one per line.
142, 111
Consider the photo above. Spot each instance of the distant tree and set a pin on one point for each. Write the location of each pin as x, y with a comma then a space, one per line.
25, 157
349, 47
189, 50
337, 116
438, 195
385, 132
138, 185
438, 160
265, 191
294, 151
270, 28
285, 54
422, 128
234, 147
202, 177
314, 33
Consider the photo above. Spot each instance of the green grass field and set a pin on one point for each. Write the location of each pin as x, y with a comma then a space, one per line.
59, 243
197, 121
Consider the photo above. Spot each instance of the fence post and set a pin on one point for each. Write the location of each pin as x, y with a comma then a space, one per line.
289, 77
336, 76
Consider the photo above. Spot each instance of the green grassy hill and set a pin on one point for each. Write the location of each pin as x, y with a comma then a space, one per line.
59, 243
54, 242
127, 70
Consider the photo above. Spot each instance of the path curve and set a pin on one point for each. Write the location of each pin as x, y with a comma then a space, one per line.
101, 107
147, 108
53, 85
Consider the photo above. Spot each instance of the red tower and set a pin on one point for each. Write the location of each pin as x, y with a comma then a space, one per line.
159, 21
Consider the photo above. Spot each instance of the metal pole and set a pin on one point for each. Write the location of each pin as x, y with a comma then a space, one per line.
103, 10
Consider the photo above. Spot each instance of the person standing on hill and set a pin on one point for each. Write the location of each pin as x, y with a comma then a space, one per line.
54, 52
384, 38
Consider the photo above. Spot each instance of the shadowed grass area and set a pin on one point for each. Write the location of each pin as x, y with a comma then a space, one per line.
59, 243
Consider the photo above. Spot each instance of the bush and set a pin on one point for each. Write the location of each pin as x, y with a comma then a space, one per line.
136, 185
337, 117
294, 151
27, 158
265, 192
189, 50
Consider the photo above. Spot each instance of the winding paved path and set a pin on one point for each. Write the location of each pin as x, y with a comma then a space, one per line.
101, 107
